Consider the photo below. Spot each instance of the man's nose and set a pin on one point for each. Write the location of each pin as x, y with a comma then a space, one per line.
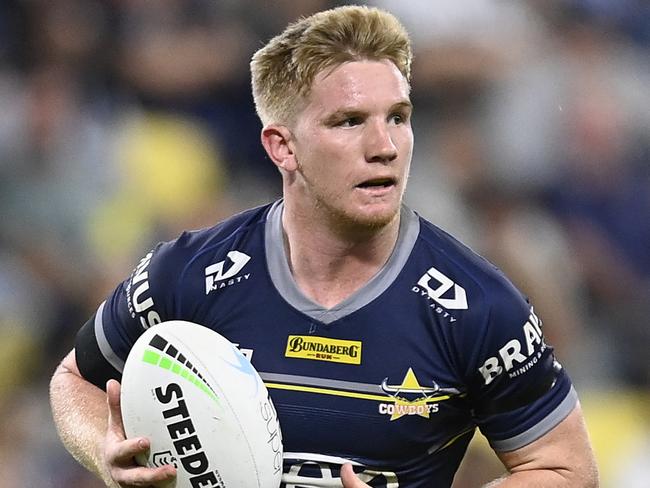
379, 143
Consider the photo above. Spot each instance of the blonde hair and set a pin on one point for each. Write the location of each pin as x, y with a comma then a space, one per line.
284, 69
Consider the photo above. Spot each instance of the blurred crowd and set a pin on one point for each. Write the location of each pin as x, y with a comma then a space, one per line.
124, 122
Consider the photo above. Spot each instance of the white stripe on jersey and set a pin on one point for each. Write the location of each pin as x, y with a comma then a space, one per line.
102, 342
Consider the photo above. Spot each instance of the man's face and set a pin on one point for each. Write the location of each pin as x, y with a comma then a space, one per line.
353, 143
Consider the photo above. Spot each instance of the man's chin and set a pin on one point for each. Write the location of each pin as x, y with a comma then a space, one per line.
370, 217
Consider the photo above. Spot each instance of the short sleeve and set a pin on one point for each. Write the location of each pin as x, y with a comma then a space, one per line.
517, 389
144, 299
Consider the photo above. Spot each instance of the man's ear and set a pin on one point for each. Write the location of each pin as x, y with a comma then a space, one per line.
278, 143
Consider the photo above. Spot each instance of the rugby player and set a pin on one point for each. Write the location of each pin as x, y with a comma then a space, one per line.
384, 342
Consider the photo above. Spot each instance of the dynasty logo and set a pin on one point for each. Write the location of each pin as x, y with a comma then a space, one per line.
323, 349
217, 276
411, 398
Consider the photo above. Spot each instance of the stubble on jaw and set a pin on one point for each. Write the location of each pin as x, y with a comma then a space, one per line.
348, 223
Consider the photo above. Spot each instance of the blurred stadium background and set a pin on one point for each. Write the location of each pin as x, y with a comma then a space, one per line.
124, 121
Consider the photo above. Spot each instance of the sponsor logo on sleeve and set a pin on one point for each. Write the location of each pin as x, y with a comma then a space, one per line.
227, 272
138, 295
516, 356
323, 349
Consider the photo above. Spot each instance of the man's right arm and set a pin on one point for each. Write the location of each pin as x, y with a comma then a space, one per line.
89, 423
85, 389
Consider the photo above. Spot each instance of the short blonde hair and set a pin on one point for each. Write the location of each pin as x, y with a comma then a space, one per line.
283, 70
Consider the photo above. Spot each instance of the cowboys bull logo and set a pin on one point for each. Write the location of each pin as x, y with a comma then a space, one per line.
411, 398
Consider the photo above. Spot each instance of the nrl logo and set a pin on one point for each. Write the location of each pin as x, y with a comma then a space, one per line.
411, 398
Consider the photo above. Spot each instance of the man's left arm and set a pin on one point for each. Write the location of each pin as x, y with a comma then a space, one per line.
561, 458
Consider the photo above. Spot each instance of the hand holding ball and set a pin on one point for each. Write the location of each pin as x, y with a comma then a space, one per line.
204, 408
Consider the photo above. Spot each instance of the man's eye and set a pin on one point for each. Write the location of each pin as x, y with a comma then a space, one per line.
350, 122
397, 119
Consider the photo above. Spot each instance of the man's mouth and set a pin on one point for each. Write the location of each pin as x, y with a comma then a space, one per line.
378, 183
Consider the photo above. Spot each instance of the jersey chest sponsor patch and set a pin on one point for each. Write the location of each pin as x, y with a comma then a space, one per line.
323, 349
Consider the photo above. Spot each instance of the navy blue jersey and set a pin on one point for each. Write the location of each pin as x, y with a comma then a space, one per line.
394, 379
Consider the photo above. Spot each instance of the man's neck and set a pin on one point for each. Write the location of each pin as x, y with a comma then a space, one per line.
330, 262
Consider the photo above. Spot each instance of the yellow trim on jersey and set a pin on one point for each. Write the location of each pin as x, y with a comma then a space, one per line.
348, 394
455, 438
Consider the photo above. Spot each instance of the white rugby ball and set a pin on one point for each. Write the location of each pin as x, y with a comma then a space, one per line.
204, 408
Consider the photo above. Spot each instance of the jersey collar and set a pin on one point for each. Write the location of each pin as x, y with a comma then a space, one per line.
284, 283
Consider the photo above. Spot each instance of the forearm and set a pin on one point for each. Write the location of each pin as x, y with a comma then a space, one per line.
541, 478
561, 458
80, 415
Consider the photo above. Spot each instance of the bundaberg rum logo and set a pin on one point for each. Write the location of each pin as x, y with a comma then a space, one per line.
323, 349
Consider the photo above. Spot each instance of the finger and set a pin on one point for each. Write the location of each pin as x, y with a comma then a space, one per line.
122, 453
115, 425
141, 476
349, 478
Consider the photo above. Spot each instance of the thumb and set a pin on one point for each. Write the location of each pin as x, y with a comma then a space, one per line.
115, 424
349, 478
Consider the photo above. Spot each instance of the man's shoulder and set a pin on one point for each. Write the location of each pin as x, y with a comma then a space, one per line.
229, 240
451, 259
228, 232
